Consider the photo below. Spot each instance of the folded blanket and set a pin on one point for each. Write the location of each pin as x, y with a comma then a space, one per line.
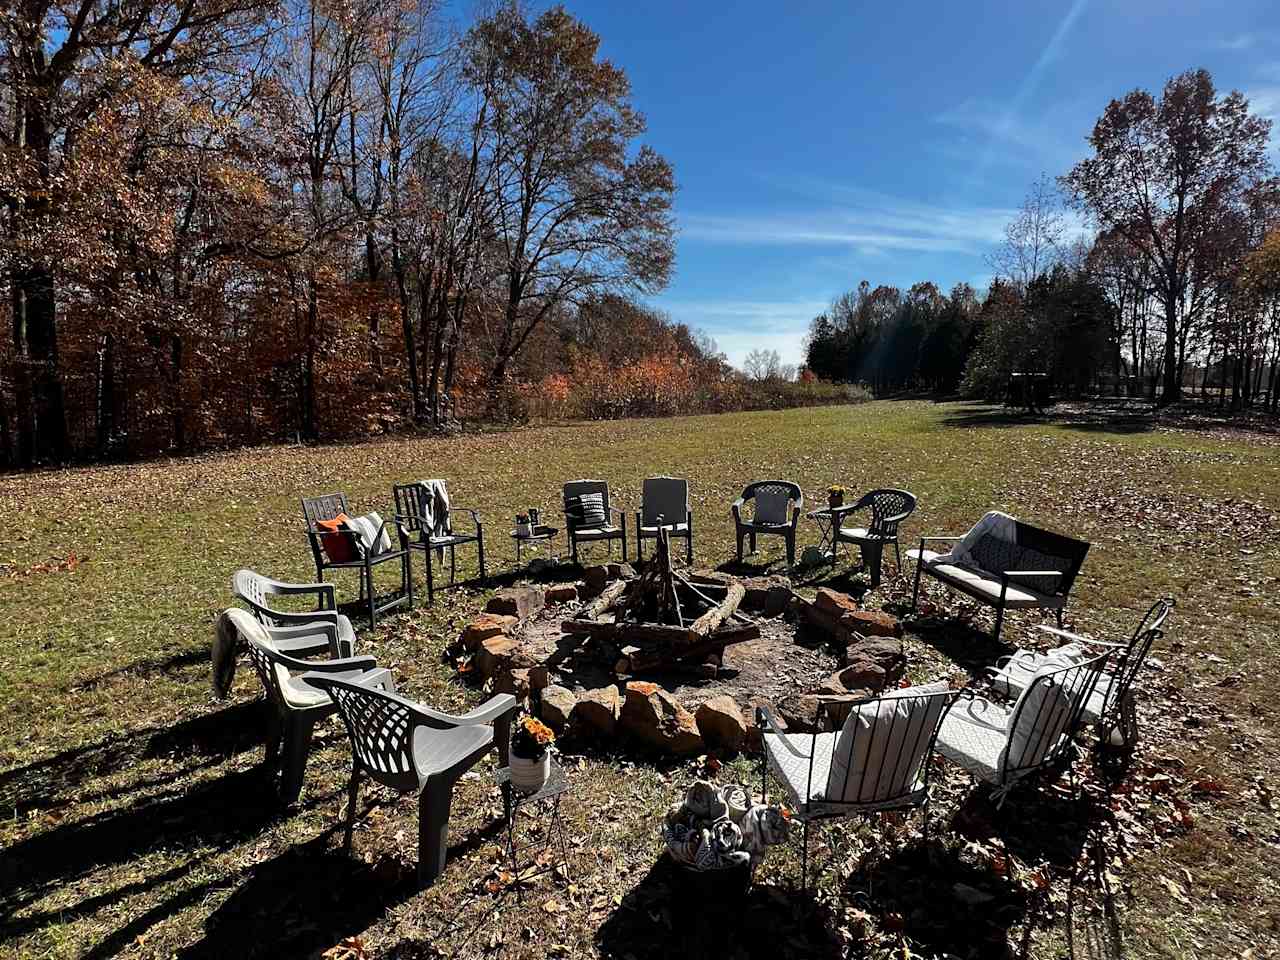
227, 643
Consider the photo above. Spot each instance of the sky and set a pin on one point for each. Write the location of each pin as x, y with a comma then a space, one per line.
816, 145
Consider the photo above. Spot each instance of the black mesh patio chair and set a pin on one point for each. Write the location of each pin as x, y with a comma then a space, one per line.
776, 506
878, 760
583, 527
1004, 745
364, 560
1111, 705
411, 748
298, 704
256, 591
888, 508
416, 533
664, 502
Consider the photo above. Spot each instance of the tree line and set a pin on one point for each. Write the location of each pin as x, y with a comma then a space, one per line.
229, 221
1174, 289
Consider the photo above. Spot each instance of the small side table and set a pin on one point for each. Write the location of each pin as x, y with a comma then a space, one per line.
546, 800
825, 519
540, 533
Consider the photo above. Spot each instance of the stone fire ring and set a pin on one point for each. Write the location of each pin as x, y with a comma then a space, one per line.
493, 650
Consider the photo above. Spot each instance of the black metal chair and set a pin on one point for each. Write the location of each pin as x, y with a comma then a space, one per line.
888, 508
580, 530
878, 760
771, 500
331, 506
1111, 705
1005, 745
416, 532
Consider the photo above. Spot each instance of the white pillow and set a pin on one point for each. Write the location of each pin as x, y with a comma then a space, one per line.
1040, 717
372, 533
878, 754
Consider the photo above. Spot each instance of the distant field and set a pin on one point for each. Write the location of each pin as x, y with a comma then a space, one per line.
135, 821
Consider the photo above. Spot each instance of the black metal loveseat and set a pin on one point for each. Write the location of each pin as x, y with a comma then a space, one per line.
1004, 563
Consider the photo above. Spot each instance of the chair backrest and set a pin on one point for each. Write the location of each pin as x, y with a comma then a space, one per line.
381, 727
253, 588
889, 507
1046, 714
999, 542
881, 754
408, 497
1129, 661
665, 497
576, 488
779, 488
258, 641
324, 507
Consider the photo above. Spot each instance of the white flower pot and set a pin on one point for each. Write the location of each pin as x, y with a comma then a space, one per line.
530, 776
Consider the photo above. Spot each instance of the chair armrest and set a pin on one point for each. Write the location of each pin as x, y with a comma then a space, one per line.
287, 617
306, 646
736, 508
492, 710
337, 665
1065, 634
768, 723
378, 677
838, 512
324, 627
475, 514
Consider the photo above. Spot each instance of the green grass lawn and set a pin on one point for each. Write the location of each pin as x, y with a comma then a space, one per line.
137, 821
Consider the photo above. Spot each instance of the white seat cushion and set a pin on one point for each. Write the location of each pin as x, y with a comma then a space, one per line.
597, 533
676, 528
989, 587
973, 735
1039, 719
792, 771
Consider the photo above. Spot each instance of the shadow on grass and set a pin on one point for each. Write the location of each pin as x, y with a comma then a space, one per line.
193, 744
672, 912
1096, 417
309, 897
219, 813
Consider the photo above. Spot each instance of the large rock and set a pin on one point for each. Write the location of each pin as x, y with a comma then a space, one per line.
833, 601
801, 713
872, 623
500, 654
769, 595
597, 711
487, 625
519, 602
656, 718
876, 653
555, 707
562, 593
721, 723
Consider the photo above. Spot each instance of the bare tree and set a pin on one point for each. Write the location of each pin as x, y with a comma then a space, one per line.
1033, 240
1159, 176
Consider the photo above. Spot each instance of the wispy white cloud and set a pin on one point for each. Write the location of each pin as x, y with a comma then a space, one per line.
866, 223
740, 326
1264, 101
1240, 41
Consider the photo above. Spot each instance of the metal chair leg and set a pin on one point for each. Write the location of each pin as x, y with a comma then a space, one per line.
431, 586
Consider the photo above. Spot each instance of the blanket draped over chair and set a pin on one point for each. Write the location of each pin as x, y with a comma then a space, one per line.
433, 509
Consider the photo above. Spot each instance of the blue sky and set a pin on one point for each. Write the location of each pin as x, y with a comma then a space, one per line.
819, 144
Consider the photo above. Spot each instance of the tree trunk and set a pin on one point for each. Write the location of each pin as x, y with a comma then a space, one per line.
105, 421
42, 423
1172, 384
179, 413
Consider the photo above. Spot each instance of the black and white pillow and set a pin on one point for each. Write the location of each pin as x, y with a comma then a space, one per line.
588, 510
